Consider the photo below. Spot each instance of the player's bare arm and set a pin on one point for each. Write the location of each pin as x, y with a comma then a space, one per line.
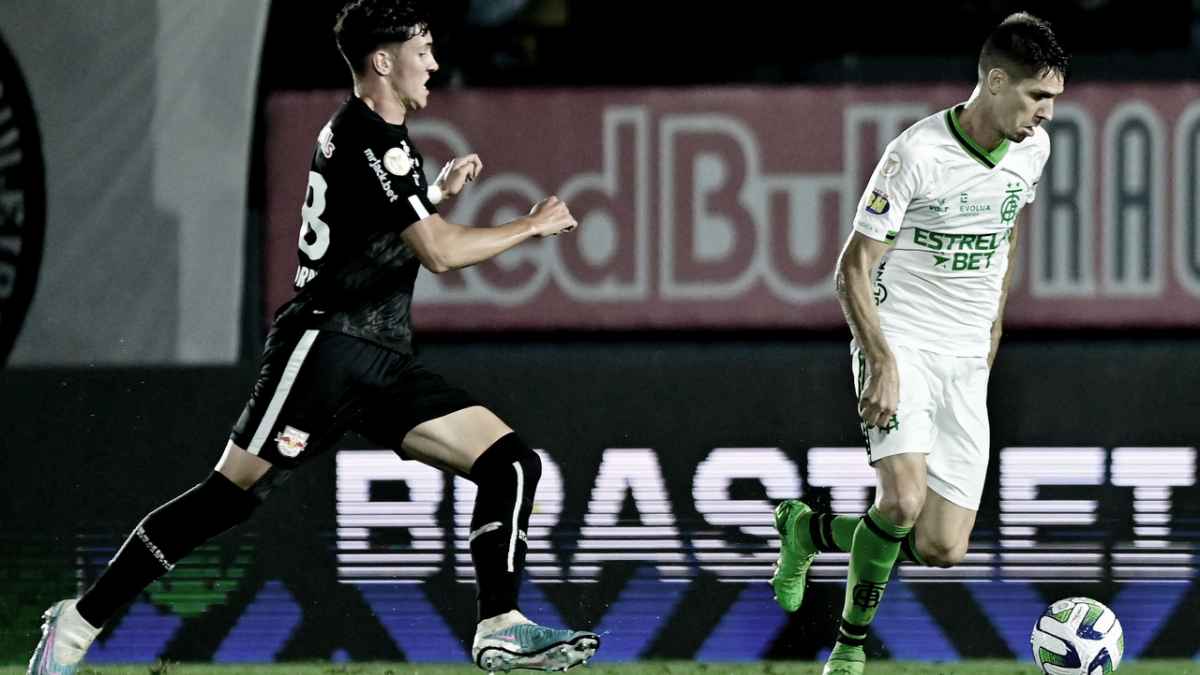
855, 265
998, 324
442, 246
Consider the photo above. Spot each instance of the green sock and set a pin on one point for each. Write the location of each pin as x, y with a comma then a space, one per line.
843, 527
843, 531
872, 556
826, 532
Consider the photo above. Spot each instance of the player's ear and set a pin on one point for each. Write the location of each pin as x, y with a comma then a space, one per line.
381, 61
997, 78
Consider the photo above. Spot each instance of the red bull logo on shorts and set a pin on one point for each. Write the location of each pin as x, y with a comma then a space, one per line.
291, 441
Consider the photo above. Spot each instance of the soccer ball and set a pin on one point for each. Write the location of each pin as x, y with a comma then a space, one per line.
1077, 636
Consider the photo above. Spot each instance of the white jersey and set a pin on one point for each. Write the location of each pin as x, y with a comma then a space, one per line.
948, 208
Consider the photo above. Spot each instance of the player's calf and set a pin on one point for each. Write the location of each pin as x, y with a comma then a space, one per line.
828, 532
507, 474
940, 553
164, 537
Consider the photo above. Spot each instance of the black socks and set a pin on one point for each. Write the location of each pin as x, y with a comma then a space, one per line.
507, 474
162, 539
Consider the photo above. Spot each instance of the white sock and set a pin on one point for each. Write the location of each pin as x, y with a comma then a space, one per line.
74, 635
500, 622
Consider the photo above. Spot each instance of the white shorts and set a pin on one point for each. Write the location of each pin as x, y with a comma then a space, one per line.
942, 413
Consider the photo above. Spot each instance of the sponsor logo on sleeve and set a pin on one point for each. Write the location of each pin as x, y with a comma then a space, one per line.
877, 203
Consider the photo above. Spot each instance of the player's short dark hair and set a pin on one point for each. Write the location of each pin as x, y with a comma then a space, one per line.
1023, 46
364, 25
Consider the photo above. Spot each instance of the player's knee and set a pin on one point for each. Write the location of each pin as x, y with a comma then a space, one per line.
903, 508
242, 468
507, 474
508, 457
531, 464
943, 554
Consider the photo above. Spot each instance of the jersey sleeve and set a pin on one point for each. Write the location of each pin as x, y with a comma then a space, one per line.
394, 182
895, 182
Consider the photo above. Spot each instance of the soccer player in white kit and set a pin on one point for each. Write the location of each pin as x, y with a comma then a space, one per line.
922, 281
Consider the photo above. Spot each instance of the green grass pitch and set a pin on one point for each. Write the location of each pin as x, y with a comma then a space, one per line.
1145, 667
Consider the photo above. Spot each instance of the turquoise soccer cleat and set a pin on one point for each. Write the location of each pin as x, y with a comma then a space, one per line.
533, 647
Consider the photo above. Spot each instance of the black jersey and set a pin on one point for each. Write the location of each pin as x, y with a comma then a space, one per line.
356, 274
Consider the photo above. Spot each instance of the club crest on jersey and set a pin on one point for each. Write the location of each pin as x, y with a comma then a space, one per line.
1011, 203
877, 203
397, 161
291, 441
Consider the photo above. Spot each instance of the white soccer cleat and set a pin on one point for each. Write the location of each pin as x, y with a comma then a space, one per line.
66, 637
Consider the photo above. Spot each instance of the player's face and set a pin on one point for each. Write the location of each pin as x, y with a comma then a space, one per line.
413, 63
1026, 103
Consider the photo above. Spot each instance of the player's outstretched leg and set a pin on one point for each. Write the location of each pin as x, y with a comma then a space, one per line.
163, 538
507, 474
872, 555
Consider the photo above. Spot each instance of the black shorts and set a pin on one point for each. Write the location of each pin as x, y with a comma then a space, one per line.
314, 386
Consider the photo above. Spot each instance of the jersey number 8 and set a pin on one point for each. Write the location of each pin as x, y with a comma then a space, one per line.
310, 214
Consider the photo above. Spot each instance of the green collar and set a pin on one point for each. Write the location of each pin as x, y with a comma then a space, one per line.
988, 159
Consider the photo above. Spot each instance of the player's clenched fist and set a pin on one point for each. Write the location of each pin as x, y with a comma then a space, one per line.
551, 216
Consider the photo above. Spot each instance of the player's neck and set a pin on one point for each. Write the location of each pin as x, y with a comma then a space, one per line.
975, 121
382, 102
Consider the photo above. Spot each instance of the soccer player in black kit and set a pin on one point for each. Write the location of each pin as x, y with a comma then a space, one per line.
339, 357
